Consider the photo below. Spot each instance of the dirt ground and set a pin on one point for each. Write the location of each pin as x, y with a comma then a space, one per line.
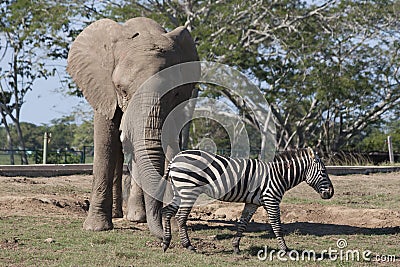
359, 203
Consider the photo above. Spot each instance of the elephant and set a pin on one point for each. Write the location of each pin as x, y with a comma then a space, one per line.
109, 62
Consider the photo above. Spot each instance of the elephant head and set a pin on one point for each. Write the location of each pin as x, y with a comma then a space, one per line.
109, 62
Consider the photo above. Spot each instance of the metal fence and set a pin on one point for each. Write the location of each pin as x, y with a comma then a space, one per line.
65, 156
35, 156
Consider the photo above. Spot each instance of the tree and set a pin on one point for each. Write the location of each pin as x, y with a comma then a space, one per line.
62, 132
31, 34
328, 70
376, 138
83, 135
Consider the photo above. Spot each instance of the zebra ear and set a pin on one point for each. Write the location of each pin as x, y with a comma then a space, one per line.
311, 152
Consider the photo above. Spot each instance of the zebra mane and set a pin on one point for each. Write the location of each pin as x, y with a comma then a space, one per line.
290, 154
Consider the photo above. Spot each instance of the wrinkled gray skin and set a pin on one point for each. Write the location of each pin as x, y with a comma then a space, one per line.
109, 61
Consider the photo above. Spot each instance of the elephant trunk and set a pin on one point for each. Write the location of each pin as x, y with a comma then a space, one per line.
151, 169
150, 160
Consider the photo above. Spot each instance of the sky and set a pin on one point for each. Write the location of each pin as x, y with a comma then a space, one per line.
47, 100
45, 103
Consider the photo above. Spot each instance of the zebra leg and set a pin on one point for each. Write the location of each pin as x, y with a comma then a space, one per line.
247, 213
181, 217
168, 212
274, 214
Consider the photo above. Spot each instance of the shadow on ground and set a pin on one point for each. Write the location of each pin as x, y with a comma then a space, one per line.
300, 228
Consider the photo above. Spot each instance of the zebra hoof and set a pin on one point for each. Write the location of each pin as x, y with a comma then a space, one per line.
236, 250
191, 248
165, 246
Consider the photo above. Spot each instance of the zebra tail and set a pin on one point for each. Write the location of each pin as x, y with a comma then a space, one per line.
162, 185
166, 173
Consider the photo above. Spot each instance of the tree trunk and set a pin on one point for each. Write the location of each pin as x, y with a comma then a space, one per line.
24, 158
18, 103
9, 139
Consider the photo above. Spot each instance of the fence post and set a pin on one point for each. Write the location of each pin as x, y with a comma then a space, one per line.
390, 148
83, 158
45, 141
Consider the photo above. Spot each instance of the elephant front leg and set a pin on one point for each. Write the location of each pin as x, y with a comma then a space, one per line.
106, 144
136, 211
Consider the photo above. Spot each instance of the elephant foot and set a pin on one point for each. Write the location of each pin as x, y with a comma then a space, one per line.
136, 216
97, 223
117, 213
136, 213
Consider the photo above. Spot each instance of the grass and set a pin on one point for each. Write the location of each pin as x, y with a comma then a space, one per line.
23, 238
23, 244
387, 163
364, 192
348, 159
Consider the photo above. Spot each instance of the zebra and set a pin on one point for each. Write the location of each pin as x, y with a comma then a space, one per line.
250, 181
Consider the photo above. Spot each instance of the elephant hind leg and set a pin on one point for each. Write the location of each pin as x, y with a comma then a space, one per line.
136, 211
117, 184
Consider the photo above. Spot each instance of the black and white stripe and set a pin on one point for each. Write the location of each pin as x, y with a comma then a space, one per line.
250, 181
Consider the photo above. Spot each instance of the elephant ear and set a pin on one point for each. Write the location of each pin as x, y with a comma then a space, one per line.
140, 25
91, 64
186, 43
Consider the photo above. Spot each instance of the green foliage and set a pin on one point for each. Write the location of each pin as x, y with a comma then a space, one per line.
30, 30
208, 134
62, 132
376, 139
327, 69
33, 135
65, 134
24, 232
31, 34
83, 134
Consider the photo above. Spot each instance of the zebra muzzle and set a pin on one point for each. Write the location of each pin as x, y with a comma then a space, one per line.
327, 193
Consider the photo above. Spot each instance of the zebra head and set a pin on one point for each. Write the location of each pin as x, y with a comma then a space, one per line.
317, 177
